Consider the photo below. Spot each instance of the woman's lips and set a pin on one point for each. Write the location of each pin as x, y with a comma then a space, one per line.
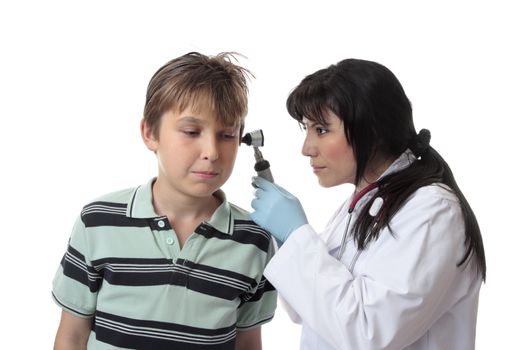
317, 169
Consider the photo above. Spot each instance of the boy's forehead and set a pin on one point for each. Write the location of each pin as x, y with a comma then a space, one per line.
204, 116
202, 104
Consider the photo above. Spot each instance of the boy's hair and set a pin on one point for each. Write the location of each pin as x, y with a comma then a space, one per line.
194, 78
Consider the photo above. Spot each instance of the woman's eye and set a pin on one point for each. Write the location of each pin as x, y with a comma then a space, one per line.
321, 130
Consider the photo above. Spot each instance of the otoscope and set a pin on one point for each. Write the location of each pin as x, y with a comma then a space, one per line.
256, 140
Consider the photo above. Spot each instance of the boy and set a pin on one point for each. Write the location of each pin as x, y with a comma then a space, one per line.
171, 264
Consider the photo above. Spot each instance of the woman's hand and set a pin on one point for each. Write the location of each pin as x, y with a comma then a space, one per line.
276, 210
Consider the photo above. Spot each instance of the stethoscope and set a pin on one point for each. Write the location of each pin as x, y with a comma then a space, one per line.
374, 209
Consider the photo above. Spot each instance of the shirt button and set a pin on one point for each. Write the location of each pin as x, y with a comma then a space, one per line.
161, 224
170, 240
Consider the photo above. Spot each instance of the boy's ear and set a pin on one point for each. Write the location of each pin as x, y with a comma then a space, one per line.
148, 136
241, 131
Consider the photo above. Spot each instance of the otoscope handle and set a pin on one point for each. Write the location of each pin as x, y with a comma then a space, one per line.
263, 170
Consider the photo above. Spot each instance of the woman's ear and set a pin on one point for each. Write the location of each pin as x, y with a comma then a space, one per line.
148, 136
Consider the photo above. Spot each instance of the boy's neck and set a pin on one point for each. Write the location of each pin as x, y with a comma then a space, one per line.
179, 207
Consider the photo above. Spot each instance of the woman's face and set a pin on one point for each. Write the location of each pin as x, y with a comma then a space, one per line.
331, 157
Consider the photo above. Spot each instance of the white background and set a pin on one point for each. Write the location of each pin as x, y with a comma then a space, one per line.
73, 77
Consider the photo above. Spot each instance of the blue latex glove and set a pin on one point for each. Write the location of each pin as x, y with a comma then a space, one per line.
276, 210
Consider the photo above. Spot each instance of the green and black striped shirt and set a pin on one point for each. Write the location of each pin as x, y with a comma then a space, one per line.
124, 268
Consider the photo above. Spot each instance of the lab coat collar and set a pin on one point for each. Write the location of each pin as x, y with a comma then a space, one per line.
402, 162
333, 240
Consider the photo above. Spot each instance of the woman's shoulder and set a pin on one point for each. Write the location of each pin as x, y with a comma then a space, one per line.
426, 202
429, 202
435, 192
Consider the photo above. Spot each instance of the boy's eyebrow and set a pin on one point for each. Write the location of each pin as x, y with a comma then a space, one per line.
194, 120
191, 119
234, 125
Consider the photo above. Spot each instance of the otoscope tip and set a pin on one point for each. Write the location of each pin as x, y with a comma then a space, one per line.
254, 138
247, 139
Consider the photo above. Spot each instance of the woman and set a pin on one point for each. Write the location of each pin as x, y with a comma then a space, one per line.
400, 263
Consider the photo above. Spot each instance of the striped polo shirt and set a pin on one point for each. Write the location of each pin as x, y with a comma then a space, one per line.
124, 268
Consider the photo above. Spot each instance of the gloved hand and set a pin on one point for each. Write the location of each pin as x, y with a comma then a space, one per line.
276, 210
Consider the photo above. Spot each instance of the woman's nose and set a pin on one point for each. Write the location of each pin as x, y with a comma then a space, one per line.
309, 148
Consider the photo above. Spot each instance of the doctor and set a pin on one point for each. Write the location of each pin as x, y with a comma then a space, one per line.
400, 263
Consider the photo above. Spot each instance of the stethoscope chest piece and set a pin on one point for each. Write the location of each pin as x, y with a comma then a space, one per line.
376, 206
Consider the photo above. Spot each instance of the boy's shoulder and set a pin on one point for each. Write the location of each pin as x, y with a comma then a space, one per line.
239, 213
245, 227
126, 207
123, 196
242, 215
113, 208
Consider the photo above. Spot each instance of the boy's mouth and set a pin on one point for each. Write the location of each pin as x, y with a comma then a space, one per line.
206, 174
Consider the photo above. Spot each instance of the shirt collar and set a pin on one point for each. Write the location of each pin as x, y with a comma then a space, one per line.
222, 218
140, 206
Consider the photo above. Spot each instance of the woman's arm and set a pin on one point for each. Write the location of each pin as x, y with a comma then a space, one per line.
249, 339
73, 332
398, 292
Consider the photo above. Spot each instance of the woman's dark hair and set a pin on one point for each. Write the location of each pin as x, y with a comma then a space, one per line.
377, 118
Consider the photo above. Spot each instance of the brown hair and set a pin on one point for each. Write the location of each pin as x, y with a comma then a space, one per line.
193, 78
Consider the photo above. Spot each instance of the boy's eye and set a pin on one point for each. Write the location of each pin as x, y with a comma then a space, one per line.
191, 132
229, 135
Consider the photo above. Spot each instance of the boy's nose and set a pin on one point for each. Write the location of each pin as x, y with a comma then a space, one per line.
210, 150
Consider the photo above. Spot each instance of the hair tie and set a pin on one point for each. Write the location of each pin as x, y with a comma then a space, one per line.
420, 143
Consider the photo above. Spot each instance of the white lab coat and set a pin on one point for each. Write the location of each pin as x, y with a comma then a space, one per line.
404, 291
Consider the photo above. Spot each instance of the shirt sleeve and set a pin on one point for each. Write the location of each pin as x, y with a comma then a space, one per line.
76, 282
258, 306
407, 281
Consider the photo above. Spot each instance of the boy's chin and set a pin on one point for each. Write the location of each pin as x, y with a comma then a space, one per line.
207, 191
